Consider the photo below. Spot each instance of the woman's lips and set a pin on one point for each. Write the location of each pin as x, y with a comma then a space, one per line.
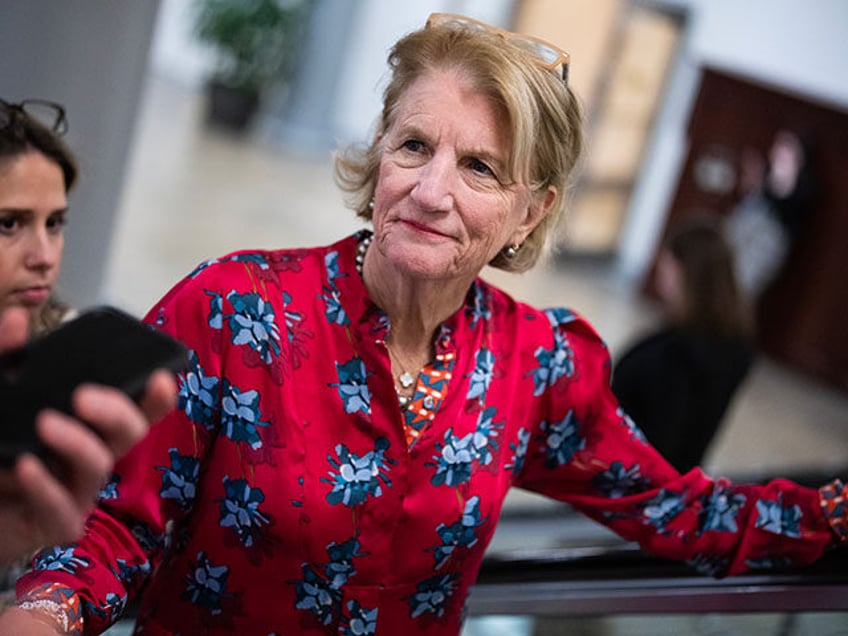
33, 295
424, 229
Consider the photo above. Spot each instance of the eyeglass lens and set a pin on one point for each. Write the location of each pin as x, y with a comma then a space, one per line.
48, 114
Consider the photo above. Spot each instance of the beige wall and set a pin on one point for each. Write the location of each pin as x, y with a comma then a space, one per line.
584, 28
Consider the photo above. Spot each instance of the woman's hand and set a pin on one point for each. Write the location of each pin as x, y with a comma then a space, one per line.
38, 508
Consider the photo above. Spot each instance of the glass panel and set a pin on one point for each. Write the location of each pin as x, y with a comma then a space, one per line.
708, 624
593, 222
619, 124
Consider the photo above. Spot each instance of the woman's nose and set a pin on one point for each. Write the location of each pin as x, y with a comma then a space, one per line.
43, 250
434, 189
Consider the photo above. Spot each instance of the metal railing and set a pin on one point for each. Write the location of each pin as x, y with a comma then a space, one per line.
609, 581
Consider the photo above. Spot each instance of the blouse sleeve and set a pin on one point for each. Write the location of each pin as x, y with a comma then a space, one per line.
153, 486
587, 452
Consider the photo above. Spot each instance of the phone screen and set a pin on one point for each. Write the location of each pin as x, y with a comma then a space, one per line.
103, 346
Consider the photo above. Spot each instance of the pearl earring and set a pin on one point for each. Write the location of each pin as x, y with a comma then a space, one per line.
511, 250
371, 205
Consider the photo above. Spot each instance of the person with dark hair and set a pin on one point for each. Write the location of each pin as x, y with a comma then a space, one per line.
37, 508
37, 170
677, 382
777, 194
354, 414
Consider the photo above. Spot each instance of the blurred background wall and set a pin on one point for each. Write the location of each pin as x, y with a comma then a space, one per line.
90, 56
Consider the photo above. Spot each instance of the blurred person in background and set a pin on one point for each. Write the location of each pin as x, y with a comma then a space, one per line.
777, 194
355, 413
37, 170
677, 382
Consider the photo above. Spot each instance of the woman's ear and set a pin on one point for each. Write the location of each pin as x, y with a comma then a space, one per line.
537, 209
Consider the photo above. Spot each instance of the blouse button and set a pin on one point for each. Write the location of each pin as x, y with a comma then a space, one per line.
428, 402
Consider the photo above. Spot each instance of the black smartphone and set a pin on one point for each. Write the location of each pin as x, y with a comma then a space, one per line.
103, 345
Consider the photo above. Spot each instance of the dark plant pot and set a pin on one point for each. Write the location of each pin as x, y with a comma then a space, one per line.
230, 108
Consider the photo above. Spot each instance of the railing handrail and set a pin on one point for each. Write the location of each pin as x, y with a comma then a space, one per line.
625, 580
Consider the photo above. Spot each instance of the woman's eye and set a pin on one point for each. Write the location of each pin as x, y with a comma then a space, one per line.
481, 168
56, 222
413, 145
8, 224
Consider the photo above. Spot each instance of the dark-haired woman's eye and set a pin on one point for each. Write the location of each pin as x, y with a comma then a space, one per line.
56, 221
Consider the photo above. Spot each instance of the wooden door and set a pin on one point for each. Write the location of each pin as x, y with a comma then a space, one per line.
802, 318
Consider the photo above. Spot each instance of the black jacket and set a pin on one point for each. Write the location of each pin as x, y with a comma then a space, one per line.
676, 386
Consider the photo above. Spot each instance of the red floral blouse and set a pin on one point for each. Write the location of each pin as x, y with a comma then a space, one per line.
289, 494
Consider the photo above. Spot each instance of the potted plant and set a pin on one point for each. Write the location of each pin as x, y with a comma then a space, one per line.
255, 44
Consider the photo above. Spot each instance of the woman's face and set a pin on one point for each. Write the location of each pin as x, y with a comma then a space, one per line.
33, 205
669, 281
443, 205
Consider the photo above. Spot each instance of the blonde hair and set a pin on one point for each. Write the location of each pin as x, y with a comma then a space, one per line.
544, 116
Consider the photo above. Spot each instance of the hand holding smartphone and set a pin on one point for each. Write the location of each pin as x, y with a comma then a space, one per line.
102, 346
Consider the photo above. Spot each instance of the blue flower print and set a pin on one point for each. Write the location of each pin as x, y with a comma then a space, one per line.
331, 263
484, 440
198, 395
479, 309
240, 415
254, 324
460, 534
197, 270
293, 318
322, 595
662, 509
110, 488
149, 539
362, 621
60, 559
315, 595
457, 455
562, 439
559, 316
239, 510
207, 584
719, 510
257, 259
358, 477
353, 386
773, 517
113, 606
618, 481
179, 481
636, 433
432, 595
554, 363
482, 375
454, 461
519, 451
334, 311
216, 310
340, 567
128, 574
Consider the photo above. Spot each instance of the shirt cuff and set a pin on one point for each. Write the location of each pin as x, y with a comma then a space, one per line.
57, 604
834, 503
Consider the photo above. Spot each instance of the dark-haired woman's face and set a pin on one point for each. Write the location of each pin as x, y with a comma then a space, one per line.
33, 205
670, 284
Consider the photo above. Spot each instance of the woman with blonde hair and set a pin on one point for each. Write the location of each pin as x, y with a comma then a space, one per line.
356, 413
